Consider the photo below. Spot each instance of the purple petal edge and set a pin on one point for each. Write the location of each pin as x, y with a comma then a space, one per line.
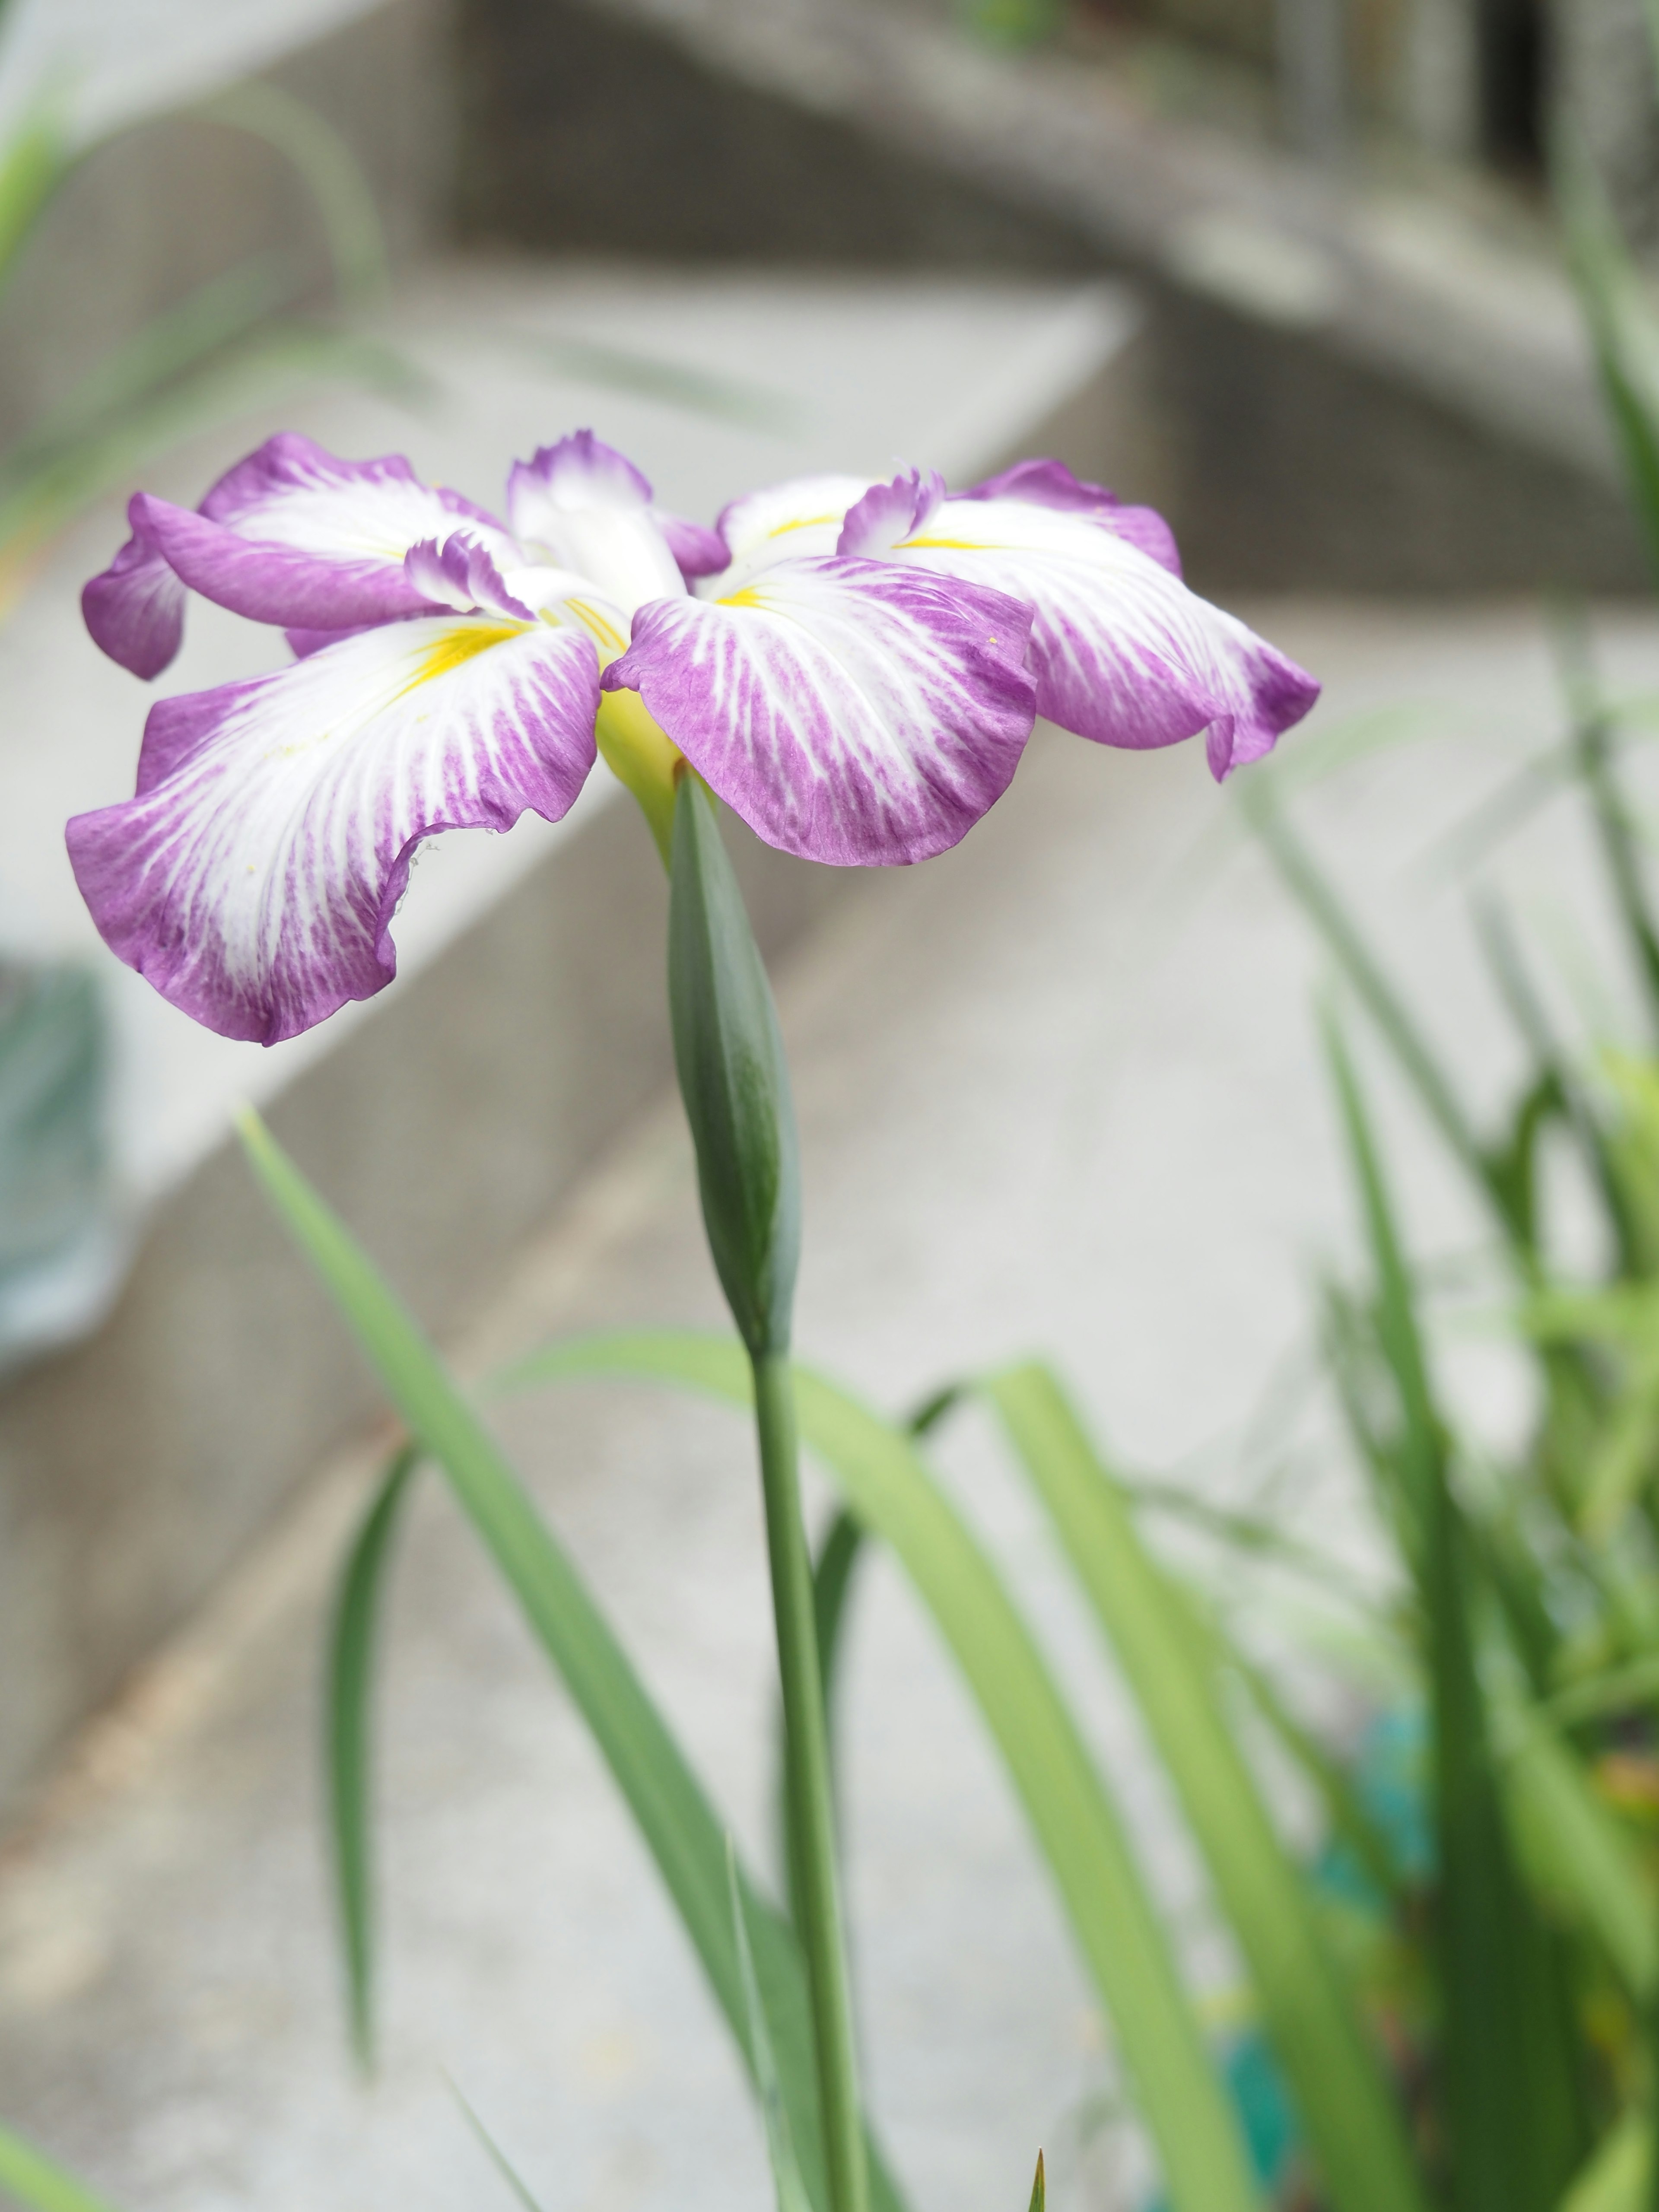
696, 551
1051, 483
135, 609
272, 583
1280, 695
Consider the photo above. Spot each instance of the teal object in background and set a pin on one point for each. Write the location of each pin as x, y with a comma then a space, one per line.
62, 1247
1389, 1774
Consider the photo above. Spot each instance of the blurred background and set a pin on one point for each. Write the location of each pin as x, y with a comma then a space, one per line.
1288, 270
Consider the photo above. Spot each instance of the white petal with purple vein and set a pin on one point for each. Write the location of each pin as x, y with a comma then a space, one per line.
254, 878
1123, 653
849, 711
783, 522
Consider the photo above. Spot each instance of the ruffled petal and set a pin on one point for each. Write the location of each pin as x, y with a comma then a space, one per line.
788, 521
586, 507
1122, 652
1051, 483
888, 513
696, 551
135, 610
849, 711
271, 582
254, 878
459, 574
292, 535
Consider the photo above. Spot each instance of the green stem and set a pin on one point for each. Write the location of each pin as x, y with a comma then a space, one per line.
807, 1763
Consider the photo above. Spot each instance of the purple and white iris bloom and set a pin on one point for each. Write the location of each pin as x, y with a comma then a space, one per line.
854, 668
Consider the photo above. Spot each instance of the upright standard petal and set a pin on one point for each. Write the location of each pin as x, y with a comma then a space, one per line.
291, 535
1051, 483
848, 711
1122, 652
254, 878
788, 521
585, 507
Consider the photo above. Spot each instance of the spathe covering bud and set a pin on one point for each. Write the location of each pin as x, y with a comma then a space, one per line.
733, 1079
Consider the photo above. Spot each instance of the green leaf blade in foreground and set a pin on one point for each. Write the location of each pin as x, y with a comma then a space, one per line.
1193, 2126
1511, 2089
348, 1703
38, 2183
667, 1802
1345, 2102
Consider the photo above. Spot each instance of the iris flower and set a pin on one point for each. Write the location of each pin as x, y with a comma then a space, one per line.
853, 667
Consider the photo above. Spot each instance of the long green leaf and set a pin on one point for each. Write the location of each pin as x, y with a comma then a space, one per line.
348, 1708
273, 357
833, 1572
1346, 2104
1578, 1850
1510, 2082
517, 2188
331, 172
1365, 972
38, 2183
34, 163
891, 1492
1609, 292
667, 1802
1617, 2178
787, 2185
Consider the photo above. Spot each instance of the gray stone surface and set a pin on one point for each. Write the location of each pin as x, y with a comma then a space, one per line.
1435, 337
1058, 1089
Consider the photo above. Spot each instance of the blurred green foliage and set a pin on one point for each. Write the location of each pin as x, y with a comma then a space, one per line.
227, 344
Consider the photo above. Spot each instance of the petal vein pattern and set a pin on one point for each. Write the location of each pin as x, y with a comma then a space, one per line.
1122, 652
254, 878
788, 521
292, 535
851, 712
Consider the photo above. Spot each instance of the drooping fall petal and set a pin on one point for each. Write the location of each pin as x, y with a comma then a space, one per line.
849, 711
254, 878
1122, 652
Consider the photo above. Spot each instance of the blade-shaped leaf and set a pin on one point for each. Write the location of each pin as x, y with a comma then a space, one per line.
667, 1802
517, 2188
1511, 2088
833, 1572
1618, 2177
1345, 2102
787, 2184
38, 2183
1615, 314
890, 1490
330, 171
34, 163
1578, 1851
349, 1724
1365, 972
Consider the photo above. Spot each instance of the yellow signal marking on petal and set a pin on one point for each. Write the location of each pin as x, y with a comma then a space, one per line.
803, 522
457, 647
952, 544
748, 597
606, 633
